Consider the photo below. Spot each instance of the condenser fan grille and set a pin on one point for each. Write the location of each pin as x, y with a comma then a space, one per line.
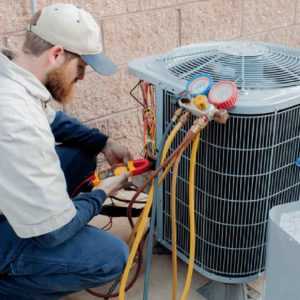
251, 66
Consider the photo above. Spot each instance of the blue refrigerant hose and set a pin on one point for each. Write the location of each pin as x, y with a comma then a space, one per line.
153, 216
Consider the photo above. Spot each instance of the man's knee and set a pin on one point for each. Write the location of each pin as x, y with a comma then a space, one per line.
111, 264
116, 258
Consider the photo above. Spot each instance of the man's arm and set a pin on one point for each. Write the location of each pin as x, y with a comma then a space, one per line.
87, 205
70, 131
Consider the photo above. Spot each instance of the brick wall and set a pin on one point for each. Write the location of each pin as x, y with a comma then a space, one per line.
136, 28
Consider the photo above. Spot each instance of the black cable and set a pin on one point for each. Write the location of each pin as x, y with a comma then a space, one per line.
134, 97
119, 211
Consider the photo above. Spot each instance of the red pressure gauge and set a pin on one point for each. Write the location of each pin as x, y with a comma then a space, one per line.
224, 94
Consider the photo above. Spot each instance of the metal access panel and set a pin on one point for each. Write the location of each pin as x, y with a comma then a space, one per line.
243, 170
283, 264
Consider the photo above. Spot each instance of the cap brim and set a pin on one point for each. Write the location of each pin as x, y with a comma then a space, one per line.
100, 63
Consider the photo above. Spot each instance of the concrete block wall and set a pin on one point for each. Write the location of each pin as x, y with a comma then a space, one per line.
136, 28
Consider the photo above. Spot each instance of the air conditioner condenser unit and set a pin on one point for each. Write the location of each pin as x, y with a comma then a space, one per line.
244, 168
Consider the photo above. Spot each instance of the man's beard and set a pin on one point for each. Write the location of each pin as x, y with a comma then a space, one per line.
59, 86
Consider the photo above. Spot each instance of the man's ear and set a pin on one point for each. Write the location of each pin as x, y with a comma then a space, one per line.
56, 56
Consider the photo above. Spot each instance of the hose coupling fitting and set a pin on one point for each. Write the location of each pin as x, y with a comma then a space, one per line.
177, 114
221, 116
184, 118
199, 124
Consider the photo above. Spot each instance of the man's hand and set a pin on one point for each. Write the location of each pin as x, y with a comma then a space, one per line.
113, 184
116, 153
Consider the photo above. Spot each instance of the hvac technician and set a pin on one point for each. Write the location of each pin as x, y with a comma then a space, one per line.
47, 250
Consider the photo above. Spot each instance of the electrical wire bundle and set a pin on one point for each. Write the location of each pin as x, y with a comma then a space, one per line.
149, 118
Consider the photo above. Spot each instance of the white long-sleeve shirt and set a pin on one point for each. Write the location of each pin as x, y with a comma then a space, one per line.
33, 193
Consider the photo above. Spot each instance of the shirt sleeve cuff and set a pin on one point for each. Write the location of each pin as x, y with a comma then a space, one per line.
100, 194
100, 140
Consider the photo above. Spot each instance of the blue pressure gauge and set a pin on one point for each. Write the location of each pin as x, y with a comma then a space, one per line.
199, 85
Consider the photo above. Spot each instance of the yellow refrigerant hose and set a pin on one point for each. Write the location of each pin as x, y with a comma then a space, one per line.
192, 176
170, 140
140, 227
139, 235
141, 224
191, 220
168, 144
182, 120
174, 225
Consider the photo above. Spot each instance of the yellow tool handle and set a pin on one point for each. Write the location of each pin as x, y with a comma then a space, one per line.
131, 166
120, 170
96, 180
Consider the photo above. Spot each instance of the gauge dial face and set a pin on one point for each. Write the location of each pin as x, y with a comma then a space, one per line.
199, 86
224, 94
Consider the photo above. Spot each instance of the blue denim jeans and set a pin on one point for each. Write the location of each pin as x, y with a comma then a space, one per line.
91, 258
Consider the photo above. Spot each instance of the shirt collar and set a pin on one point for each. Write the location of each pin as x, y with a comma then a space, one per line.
25, 78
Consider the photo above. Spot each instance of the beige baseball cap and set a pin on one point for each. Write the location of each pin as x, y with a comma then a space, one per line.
76, 30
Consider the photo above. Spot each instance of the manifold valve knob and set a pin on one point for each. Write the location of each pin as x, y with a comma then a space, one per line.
201, 102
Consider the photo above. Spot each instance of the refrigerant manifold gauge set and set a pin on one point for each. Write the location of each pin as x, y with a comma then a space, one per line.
203, 97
